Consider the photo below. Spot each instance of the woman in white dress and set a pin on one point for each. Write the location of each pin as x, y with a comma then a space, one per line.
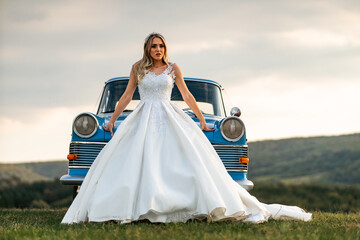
159, 165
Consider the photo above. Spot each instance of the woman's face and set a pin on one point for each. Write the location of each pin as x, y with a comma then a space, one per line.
157, 49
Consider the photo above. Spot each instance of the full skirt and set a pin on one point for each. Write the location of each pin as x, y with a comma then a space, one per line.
160, 166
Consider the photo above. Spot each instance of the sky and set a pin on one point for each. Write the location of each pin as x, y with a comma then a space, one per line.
292, 67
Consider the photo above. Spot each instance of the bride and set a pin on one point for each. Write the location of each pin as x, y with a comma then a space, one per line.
159, 165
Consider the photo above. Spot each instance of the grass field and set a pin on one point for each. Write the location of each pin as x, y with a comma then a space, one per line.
45, 224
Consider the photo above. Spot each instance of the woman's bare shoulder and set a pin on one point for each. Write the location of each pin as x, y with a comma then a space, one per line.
175, 66
136, 64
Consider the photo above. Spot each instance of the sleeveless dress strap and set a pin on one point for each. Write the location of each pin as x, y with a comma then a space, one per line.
170, 71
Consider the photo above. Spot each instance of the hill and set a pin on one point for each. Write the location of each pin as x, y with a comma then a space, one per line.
323, 160
32, 172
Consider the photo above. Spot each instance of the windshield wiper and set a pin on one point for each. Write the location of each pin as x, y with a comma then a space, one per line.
126, 110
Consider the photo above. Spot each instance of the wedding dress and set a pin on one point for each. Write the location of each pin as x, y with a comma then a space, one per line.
160, 166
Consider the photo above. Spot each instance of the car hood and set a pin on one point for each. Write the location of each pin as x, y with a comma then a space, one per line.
210, 121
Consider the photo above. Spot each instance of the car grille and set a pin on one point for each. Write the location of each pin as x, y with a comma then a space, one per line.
87, 151
230, 155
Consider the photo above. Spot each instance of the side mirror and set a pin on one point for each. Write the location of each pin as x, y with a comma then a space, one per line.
235, 111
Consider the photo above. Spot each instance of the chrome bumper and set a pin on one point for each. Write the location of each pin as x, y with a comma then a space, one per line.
72, 179
78, 179
247, 184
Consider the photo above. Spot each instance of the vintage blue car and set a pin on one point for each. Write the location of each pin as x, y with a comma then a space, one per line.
228, 138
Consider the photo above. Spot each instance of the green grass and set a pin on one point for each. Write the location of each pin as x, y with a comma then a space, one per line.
45, 224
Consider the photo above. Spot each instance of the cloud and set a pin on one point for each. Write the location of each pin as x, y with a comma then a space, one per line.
58, 54
274, 108
43, 137
201, 46
313, 38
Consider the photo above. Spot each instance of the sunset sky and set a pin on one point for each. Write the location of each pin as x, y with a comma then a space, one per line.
292, 67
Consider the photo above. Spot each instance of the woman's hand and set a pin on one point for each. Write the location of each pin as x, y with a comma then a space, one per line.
205, 128
109, 127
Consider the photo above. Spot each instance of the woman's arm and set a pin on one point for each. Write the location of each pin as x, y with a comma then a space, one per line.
123, 101
189, 98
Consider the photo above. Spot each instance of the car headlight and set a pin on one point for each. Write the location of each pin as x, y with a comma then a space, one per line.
85, 125
232, 129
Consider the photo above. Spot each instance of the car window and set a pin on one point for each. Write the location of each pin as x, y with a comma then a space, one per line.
207, 95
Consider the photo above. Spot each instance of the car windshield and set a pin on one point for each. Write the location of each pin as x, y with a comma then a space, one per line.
207, 95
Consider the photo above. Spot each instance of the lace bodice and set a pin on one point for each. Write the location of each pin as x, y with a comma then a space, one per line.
157, 86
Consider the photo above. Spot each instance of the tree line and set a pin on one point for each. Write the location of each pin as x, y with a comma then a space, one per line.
52, 194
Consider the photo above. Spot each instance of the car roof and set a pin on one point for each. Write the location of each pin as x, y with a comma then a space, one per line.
185, 78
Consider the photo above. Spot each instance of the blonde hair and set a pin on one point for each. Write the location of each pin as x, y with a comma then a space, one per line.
147, 62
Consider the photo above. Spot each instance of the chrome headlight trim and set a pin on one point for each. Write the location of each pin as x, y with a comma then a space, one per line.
95, 128
232, 139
